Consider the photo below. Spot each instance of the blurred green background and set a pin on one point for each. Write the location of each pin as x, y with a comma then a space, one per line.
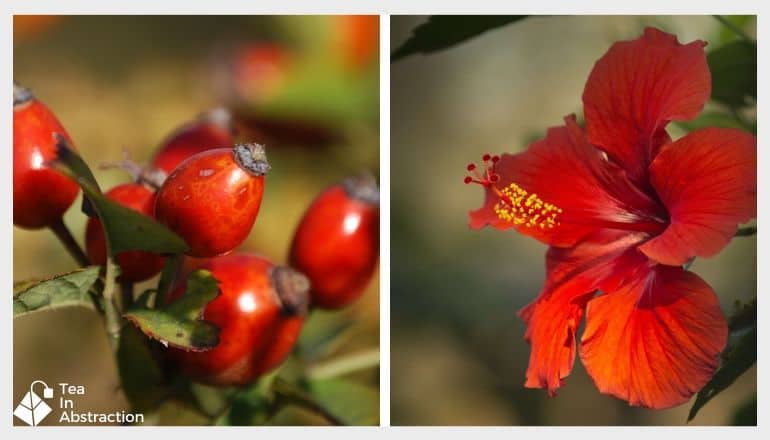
127, 82
457, 349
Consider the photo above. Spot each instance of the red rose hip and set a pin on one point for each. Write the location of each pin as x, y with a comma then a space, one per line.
336, 244
134, 265
212, 199
41, 194
259, 312
212, 129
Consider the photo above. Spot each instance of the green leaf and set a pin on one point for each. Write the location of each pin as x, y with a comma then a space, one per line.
67, 290
211, 400
178, 324
126, 229
444, 31
746, 414
733, 27
351, 402
171, 271
739, 358
744, 317
712, 119
747, 231
202, 287
322, 334
734, 73
140, 374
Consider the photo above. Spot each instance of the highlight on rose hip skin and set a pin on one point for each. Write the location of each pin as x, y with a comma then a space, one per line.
179, 278
631, 156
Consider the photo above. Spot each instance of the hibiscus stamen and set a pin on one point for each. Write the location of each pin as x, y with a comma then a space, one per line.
522, 208
516, 205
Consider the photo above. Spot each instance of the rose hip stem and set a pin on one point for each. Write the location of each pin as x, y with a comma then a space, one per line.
126, 294
65, 236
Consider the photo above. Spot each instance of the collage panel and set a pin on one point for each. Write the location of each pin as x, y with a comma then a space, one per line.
196, 220
569, 234
573, 220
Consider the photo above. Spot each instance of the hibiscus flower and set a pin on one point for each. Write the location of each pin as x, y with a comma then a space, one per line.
623, 208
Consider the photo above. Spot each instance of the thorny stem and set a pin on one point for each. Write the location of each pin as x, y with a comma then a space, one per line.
63, 234
735, 29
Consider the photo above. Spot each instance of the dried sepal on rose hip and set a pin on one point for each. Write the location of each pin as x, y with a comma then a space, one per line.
337, 241
259, 312
212, 199
134, 265
41, 194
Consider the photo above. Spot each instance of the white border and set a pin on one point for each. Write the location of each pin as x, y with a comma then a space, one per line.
385, 220
380, 7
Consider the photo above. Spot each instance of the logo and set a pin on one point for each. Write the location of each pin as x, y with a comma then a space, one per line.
32, 409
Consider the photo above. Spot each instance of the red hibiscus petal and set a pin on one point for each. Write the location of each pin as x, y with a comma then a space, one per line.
564, 170
636, 88
574, 274
485, 216
656, 340
708, 182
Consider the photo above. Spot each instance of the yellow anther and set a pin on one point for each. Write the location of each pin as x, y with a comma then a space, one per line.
519, 207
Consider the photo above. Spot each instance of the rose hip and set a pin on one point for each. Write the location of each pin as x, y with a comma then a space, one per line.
213, 129
259, 312
134, 265
336, 244
212, 199
41, 194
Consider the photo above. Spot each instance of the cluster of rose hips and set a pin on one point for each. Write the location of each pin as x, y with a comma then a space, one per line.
208, 189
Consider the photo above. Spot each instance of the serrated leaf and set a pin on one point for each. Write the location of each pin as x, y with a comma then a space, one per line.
140, 374
351, 402
66, 290
175, 331
739, 359
177, 324
125, 229
20, 286
444, 31
202, 287
734, 73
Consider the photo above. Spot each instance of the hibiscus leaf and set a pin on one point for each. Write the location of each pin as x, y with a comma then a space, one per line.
444, 31
748, 231
178, 324
66, 290
711, 119
739, 357
126, 229
734, 73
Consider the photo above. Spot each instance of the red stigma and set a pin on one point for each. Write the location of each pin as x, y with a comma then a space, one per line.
486, 177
